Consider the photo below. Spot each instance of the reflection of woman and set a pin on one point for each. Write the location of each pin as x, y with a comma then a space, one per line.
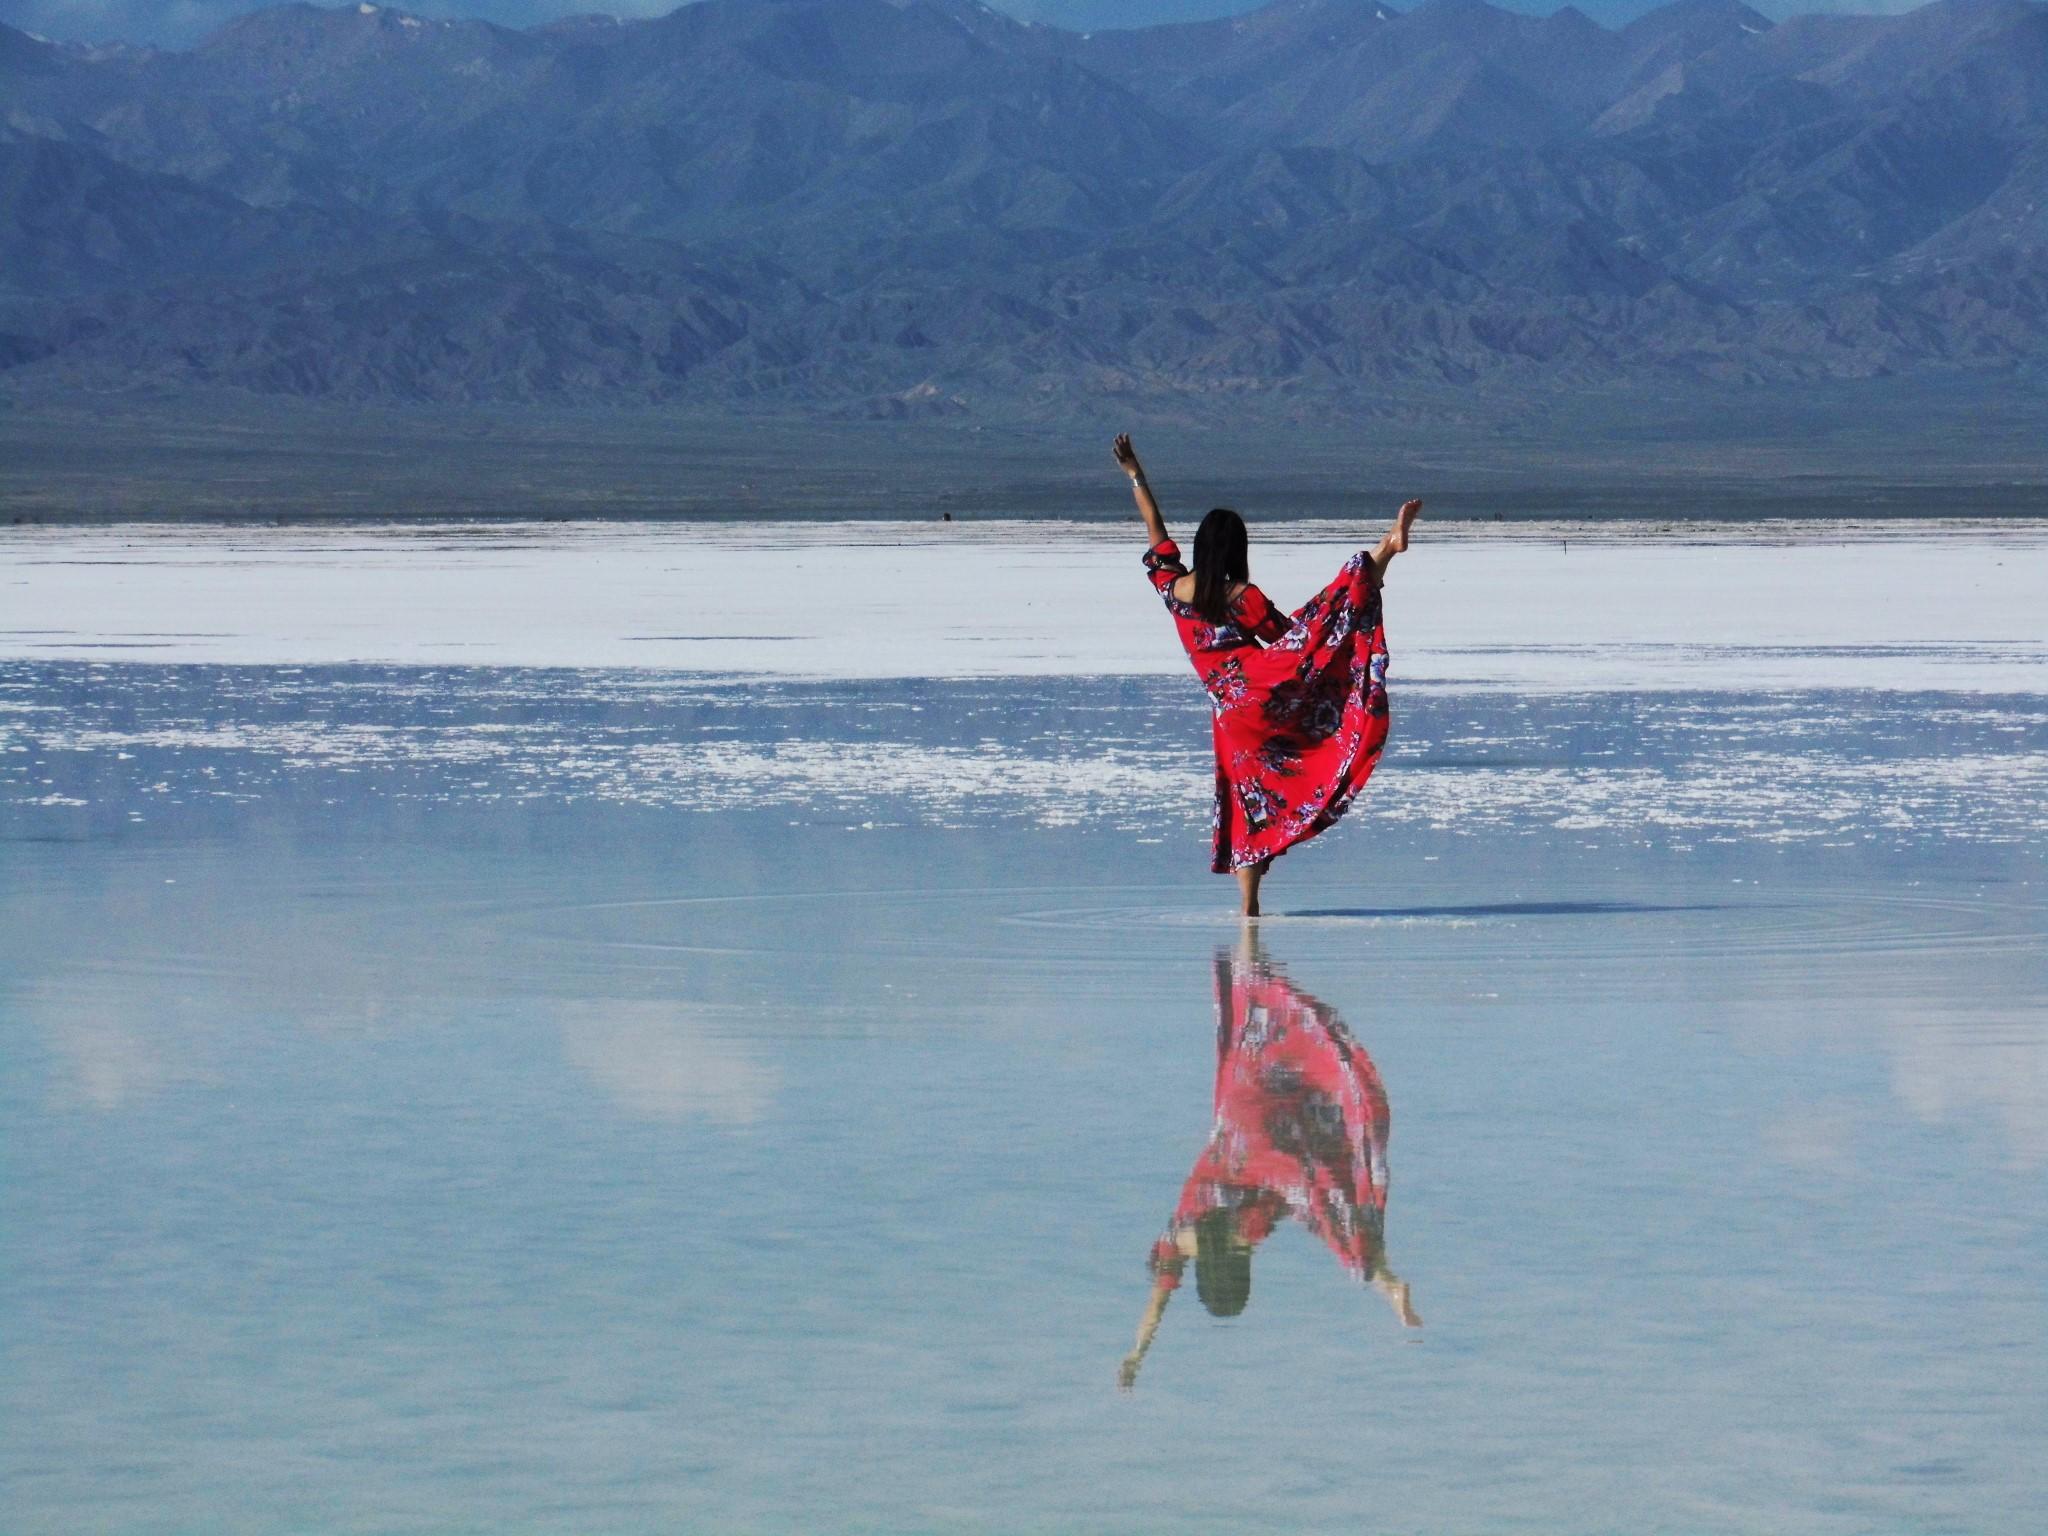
1300, 1131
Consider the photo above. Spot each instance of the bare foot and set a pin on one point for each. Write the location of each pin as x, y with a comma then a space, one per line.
1396, 1291
1409, 1316
1404, 520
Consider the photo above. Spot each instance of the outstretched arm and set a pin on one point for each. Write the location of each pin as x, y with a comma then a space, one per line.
1148, 1325
1148, 508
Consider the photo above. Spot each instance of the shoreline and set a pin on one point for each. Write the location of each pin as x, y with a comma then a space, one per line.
1960, 505
825, 528
1869, 452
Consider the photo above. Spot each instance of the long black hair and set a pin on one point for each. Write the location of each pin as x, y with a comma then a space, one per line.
1223, 1263
1222, 559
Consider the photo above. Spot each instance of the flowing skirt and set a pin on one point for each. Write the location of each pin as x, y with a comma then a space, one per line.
1300, 724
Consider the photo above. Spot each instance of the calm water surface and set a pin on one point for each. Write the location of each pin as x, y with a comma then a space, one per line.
564, 1102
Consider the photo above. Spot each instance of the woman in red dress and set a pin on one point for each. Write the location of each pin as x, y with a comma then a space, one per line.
1299, 701
1300, 1130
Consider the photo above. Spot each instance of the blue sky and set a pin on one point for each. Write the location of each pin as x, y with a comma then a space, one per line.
180, 22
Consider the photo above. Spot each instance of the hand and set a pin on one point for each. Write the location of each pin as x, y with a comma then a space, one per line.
1127, 1372
1127, 457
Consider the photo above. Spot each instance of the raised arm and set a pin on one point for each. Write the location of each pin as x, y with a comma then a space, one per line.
1148, 508
1148, 1326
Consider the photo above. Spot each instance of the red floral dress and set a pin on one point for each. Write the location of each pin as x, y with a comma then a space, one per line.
1299, 705
1301, 1126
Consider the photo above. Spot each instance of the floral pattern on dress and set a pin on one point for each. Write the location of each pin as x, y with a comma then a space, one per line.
1300, 1129
1299, 705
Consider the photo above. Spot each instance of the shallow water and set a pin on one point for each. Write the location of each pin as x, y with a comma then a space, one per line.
566, 1101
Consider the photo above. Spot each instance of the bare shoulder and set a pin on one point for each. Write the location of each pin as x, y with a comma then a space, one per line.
1184, 589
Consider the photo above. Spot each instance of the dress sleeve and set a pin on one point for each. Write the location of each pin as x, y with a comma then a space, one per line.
1163, 566
1165, 1263
1261, 617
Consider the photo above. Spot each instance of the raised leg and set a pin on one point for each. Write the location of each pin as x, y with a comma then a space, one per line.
1397, 537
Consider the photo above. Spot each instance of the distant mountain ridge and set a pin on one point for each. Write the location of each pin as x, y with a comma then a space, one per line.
902, 206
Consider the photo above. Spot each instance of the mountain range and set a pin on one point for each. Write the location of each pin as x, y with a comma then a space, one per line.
907, 207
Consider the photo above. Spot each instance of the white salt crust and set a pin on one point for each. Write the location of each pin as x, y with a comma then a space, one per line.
1793, 791
1950, 606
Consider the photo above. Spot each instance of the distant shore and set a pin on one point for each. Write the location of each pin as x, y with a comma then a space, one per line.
1830, 453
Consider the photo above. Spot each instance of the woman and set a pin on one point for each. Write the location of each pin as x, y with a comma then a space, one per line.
1299, 703
1300, 1130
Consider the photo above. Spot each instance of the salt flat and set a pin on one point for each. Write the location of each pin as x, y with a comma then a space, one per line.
625, 1027
1948, 605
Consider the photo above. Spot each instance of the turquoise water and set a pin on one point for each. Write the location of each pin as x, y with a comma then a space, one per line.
564, 1102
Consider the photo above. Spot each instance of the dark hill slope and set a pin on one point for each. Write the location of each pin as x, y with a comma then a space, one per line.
839, 202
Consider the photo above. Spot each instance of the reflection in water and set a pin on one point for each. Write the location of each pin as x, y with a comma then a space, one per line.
659, 1061
114, 1064
1301, 1130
